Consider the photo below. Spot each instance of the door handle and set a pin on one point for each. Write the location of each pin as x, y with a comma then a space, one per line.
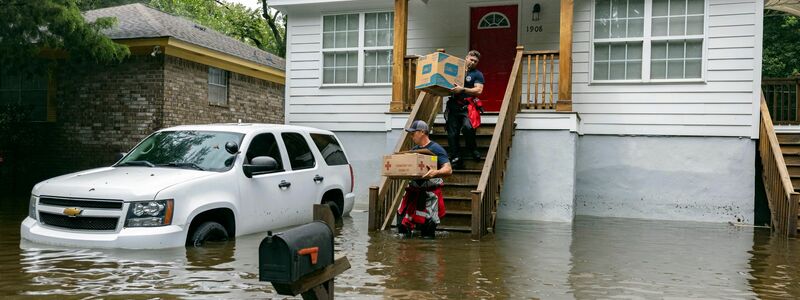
284, 184
318, 179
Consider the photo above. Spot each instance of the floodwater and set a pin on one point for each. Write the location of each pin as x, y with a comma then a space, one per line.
592, 258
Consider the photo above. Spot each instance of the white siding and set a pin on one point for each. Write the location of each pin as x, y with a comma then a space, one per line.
723, 105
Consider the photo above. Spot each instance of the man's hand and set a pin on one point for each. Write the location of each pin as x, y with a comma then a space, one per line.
457, 89
430, 174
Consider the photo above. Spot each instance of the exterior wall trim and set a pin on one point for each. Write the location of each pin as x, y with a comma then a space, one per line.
181, 49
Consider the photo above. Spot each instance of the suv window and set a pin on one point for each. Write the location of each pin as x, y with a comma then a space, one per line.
300, 156
330, 149
264, 145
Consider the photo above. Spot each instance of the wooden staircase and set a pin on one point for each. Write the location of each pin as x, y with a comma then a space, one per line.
780, 160
459, 186
471, 193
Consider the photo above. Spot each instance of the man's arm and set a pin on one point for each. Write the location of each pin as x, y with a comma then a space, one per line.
474, 91
445, 171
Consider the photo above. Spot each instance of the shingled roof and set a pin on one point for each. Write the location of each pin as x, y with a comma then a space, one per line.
140, 21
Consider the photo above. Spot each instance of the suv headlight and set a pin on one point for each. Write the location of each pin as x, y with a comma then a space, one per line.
149, 213
32, 207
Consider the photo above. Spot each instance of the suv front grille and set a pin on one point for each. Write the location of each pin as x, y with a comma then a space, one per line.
82, 223
84, 203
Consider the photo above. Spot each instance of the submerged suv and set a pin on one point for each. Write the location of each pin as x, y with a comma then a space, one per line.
188, 184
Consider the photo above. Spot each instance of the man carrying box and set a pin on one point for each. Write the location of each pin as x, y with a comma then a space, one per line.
423, 203
456, 112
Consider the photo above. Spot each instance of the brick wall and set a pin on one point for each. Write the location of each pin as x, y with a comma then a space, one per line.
106, 109
186, 97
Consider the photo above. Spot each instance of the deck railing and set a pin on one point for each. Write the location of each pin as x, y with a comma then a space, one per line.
410, 94
385, 198
541, 91
486, 196
783, 200
783, 99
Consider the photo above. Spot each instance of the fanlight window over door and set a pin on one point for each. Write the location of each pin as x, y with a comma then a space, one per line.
494, 20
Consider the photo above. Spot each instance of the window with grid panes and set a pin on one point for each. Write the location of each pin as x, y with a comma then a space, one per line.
217, 86
674, 35
344, 54
28, 92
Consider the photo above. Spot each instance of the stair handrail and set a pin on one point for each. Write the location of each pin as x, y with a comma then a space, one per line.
385, 198
783, 200
484, 197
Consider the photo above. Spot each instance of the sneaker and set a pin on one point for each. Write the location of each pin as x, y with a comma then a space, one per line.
456, 162
476, 155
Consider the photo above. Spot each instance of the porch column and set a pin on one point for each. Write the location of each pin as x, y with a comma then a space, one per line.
565, 58
399, 54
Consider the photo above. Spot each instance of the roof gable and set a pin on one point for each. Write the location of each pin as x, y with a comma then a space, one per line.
140, 21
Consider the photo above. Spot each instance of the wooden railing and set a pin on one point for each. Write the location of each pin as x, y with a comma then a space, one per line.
486, 196
384, 199
783, 99
410, 94
783, 200
541, 91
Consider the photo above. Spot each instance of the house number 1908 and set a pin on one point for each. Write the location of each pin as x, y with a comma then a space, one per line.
534, 28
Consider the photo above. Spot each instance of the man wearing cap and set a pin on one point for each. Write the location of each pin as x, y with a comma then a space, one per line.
423, 204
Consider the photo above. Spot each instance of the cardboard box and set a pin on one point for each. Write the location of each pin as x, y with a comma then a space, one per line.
408, 165
438, 72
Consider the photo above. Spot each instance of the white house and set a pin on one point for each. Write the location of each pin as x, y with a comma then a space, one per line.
660, 118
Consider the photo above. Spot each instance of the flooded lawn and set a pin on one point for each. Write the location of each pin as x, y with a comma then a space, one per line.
592, 258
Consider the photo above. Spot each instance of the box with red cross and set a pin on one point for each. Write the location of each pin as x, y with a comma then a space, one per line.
408, 165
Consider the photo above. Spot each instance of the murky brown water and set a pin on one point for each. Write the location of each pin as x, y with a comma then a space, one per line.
592, 258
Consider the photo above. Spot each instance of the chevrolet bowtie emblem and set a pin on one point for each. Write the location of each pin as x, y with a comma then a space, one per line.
72, 211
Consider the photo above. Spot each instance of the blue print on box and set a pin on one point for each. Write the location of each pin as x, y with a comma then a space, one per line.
426, 69
442, 56
436, 79
451, 69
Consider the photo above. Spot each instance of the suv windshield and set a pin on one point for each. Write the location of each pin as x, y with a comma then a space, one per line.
199, 150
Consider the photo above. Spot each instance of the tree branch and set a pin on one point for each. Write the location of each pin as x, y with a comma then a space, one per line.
271, 21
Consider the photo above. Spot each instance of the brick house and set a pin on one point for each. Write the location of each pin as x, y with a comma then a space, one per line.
179, 72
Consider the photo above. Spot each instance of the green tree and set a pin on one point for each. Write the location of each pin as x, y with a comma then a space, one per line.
29, 26
263, 30
781, 47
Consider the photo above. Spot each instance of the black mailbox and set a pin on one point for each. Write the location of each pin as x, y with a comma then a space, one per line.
285, 257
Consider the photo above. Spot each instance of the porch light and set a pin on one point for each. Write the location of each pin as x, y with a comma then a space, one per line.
537, 8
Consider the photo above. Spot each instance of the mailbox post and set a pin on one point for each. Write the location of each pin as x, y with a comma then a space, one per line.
300, 261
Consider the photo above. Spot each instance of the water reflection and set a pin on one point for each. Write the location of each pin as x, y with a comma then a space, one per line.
592, 258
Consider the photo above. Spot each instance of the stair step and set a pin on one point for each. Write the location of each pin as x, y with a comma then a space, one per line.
452, 189
454, 228
480, 140
794, 168
457, 218
484, 129
788, 137
464, 176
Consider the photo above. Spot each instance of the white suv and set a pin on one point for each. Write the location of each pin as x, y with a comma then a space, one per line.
188, 184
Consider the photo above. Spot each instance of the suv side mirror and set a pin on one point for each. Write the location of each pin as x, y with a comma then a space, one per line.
260, 165
232, 147
119, 156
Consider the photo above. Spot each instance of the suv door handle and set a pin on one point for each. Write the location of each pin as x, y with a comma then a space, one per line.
284, 184
318, 179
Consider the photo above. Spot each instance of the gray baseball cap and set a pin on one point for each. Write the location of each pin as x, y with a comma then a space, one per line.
418, 125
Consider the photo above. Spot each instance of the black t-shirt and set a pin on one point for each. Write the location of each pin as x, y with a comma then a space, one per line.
470, 79
441, 154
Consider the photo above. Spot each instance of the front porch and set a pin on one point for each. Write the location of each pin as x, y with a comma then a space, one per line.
545, 82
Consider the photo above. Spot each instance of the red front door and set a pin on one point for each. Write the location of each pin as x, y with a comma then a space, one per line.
493, 32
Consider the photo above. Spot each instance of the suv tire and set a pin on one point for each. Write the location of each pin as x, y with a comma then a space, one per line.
208, 231
337, 212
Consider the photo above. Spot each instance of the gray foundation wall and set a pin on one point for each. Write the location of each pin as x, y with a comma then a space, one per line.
365, 151
540, 178
709, 179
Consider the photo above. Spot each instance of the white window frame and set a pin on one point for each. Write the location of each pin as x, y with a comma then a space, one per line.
227, 75
647, 40
360, 51
493, 27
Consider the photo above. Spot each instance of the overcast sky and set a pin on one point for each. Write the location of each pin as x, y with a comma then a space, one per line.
249, 3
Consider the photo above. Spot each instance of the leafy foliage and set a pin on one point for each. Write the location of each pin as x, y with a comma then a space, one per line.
781, 46
232, 19
29, 26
